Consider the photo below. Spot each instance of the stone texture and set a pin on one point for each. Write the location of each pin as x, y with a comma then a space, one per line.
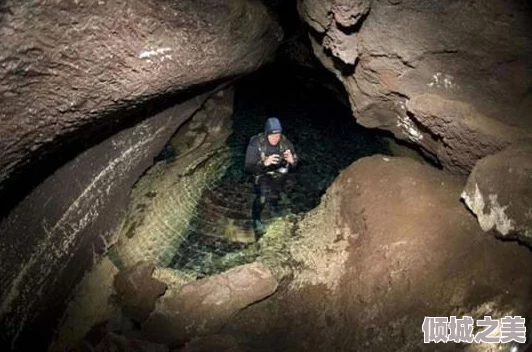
68, 66
219, 343
459, 135
60, 229
112, 342
164, 201
91, 305
86, 90
390, 244
138, 291
205, 306
499, 192
399, 59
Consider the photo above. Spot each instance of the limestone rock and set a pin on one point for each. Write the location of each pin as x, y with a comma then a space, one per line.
204, 306
391, 55
138, 291
499, 192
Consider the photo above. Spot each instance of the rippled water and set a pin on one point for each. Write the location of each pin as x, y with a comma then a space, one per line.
326, 139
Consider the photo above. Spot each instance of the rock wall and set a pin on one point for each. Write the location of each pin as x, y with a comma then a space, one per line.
67, 222
389, 245
78, 84
68, 67
453, 77
499, 193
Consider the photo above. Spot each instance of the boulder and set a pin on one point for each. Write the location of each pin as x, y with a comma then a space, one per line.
68, 222
420, 253
499, 192
71, 67
90, 94
203, 307
390, 244
449, 76
138, 291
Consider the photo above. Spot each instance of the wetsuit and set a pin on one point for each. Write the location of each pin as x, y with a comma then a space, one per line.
268, 180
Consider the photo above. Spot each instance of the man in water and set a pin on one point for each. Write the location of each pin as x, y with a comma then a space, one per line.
269, 156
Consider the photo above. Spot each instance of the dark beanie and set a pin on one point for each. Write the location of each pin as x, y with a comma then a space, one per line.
273, 125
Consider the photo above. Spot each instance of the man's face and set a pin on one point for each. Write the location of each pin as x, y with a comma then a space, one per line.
274, 138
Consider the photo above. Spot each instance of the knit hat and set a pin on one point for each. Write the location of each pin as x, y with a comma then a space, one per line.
273, 125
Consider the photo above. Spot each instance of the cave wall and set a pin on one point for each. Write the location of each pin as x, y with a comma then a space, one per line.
70, 66
68, 221
91, 92
453, 77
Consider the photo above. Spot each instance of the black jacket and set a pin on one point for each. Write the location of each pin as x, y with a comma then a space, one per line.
259, 144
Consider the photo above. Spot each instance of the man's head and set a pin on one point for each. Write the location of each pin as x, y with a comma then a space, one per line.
273, 130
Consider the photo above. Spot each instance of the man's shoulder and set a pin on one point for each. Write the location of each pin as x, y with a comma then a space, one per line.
256, 138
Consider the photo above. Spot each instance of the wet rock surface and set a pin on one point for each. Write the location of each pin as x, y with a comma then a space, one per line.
67, 222
499, 192
400, 59
394, 245
165, 199
90, 93
388, 244
190, 213
357, 264
71, 66
205, 306
138, 291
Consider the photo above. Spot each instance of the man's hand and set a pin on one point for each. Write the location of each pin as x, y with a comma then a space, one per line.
288, 156
272, 159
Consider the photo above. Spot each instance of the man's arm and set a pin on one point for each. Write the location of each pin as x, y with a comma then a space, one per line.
253, 163
290, 146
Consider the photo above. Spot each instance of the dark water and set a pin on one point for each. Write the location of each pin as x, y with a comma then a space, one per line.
323, 130
325, 136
